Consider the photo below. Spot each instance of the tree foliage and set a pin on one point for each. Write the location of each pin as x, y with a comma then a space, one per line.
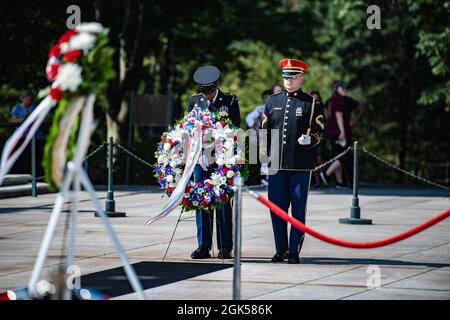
399, 72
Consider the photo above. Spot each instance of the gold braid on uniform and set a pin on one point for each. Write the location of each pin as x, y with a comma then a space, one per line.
320, 122
318, 137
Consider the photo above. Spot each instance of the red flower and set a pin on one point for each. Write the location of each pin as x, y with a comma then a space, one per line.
235, 138
163, 138
225, 170
172, 143
56, 94
52, 71
186, 202
204, 203
230, 181
208, 185
222, 123
54, 51
66, 36
187, 190
169, 190
72, 55
223, 198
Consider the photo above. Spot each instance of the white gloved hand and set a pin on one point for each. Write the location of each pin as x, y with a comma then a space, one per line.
342, 143
304, 140
264, 169
204, 162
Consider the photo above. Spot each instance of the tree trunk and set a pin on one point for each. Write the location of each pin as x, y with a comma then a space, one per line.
130, 48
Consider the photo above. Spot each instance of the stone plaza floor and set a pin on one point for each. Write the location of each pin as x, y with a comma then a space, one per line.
416, 268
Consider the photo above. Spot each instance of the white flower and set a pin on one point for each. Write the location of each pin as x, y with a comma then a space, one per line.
219, 133
160, 158
176, 135
228, 144
82, 41
228, 131
167, 146
90, 27
64, 47
231, 161
220, 161
195, 203
69, 77
230, 174
169, 178
217, 179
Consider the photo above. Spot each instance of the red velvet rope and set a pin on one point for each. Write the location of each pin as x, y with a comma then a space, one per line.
344, 243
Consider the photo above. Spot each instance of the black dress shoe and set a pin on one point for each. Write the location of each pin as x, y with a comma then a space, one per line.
279, 257
225, 254
201, 253
293, 259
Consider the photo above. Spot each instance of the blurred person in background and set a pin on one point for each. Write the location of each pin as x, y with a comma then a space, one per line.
339, 133
19, 113
258, 171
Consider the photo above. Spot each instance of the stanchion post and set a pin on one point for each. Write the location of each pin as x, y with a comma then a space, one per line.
33, 167
237, 237
110, 204
355, 210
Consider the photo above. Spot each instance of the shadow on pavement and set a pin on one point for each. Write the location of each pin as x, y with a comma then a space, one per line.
114, 282
351, 261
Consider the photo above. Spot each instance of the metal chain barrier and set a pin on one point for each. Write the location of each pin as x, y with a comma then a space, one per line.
131, 154
403, 171
318, 168
41, 178
340, 155
95, 151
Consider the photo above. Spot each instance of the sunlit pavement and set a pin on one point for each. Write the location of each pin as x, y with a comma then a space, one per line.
416, 268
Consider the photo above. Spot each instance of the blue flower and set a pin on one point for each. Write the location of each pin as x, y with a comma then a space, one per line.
168, 170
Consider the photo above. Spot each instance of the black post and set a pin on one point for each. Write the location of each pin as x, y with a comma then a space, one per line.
110, 204
355, 211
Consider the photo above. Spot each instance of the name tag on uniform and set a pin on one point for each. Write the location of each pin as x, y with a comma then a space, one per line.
298, 112
278, 108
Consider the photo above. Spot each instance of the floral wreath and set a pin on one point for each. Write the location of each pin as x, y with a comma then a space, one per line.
215, 188
81, 63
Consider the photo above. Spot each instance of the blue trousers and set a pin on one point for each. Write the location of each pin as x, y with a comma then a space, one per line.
288, 188
205, 222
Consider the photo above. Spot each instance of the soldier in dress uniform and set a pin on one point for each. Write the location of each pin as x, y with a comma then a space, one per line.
212, 98
295, 122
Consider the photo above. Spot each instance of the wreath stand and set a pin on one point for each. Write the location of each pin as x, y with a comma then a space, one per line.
75, 177
213, 217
